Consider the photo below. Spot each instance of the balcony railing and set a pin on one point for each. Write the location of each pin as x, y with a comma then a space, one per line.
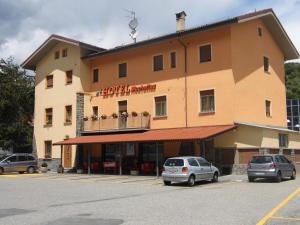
139, 121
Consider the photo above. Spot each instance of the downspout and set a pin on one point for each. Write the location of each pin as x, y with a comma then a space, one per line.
185, 79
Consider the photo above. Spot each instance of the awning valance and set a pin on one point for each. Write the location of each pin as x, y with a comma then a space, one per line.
172, 134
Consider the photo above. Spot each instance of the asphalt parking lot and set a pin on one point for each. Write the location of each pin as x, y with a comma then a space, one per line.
55, 199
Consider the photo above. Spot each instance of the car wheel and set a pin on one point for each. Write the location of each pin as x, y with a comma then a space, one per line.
250, 179
30, 170
215, 178
191, 181
278, 177
293, 177
1, 170
167, 183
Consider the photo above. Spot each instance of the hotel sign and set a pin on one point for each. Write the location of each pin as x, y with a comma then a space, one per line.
127, 89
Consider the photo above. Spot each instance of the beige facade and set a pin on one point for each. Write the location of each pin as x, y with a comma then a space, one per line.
235, 74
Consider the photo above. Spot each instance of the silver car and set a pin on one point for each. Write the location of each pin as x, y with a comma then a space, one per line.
18, 162
270, 166
188, 169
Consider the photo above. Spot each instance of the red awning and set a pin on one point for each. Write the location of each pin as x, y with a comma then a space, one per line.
172, 134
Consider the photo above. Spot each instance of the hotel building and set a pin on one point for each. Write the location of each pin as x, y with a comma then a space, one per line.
216, 91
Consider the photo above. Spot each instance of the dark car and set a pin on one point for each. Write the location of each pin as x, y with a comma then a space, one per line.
19, 162
270, 166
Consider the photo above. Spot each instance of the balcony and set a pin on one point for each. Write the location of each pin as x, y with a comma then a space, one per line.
117, 123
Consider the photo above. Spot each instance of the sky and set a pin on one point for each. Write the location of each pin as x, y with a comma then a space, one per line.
26, 24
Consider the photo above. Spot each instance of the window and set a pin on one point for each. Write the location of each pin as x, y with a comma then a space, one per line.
69, 76
283, 141
30, 158
56, 54
48, 149
174, 162
68, 114
160, 106
259, 31
95, 111
49, 81
173, 59
266, 64
207, 101
205, 53
268, 108
12, 159
203, 162
192, 162
49, 116
123, 70
65, 52
158, 63
95, 75
22, 158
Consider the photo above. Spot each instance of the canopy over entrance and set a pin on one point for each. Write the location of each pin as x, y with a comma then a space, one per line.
172, 134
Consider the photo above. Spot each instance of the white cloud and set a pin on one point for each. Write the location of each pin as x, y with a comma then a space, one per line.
26, 24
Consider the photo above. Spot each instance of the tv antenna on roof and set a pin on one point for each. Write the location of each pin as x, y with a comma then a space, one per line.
133, 23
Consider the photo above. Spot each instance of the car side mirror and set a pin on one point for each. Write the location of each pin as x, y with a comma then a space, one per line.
7, 161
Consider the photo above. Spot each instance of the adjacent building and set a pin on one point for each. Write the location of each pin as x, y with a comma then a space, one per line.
293, 114
216, 90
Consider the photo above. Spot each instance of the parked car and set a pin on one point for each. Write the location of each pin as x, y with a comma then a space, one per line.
18, 162
270, 166
188, 170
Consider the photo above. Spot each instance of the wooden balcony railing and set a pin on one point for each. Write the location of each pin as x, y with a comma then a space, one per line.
139, 121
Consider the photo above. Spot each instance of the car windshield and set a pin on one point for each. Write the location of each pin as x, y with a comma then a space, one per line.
174, 162
261, 159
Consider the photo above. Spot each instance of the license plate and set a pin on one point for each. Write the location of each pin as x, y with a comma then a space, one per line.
172, 170
259, 173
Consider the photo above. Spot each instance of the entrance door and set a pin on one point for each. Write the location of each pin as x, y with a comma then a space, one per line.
67, 156
122, 114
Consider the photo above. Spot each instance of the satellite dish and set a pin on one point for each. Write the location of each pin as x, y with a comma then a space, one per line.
133, 23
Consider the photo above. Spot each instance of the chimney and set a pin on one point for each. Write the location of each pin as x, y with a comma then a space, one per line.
180, 21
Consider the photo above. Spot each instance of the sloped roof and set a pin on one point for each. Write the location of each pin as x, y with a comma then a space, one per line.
33, 59
171, 134
267, 15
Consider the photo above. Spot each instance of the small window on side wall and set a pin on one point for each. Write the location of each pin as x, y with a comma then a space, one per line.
160, 106
268, 108
259, 31
68, 114
95, 75
49, 81
207, 101
56, 55
48, 116
158, 62
65, 52
122, 70
266, 64
69, 76
48, 149
173, 60
205, 53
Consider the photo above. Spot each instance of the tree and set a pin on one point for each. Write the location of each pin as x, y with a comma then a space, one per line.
292, 72
16, 107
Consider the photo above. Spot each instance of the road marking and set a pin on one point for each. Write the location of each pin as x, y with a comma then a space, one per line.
279, 206
285, 218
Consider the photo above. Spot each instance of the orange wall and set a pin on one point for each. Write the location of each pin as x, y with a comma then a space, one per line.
253, 85
235, 73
